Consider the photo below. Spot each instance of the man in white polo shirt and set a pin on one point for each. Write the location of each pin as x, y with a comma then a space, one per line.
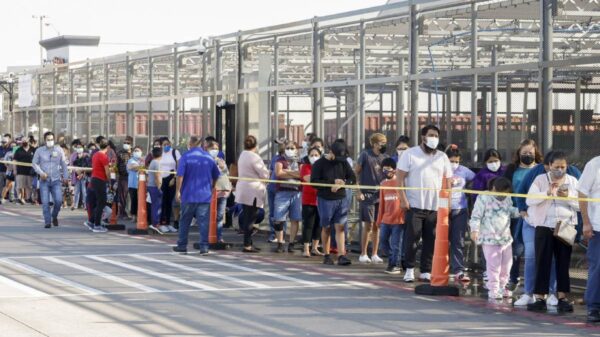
589, 187
424, 167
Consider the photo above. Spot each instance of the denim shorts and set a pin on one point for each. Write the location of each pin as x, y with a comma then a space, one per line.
369, 208
287, 202
332, 212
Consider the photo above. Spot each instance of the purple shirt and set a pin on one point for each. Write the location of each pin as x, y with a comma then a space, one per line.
461, 177
480, 183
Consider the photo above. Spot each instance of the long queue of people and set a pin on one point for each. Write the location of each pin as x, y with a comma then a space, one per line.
539, 229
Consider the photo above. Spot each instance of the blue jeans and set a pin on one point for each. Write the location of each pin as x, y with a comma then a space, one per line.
155, 205
221, 205
200, 211
516, 229
459, 219
592, 291
80, 192
529, 243
271, 200
391, 241
53, 188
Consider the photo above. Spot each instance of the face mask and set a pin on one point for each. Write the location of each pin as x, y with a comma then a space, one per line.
50, 143
313, 159
79, 150
495, 166
137, 154
126, 147
167, 148
290, 153
527, 159
388, 173
400, 152
214, 153
432, 142
383, 148
4, 140
454, 166
557, 174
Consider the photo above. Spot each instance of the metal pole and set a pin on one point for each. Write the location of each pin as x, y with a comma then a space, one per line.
317, 115
448, 116
400, 124
338, 114
360, 144
381, 122
217, 86
204, 99
577, 119
40, 118
104, 113
54, 100
474, 133
524, 117
150, 105
509, 108
414, 70
72, 111
546, 78
170, 112
243, 120
429, 100
484, 121
88, 98
275, 119
128, 95
494, 103
175, 93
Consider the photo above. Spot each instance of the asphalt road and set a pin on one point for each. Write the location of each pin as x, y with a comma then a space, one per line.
67, 281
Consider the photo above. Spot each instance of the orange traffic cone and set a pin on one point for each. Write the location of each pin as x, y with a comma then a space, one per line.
142, 211
213, 242
113, 224
439, 270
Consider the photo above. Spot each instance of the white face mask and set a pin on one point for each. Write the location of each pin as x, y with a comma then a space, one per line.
313, 159
454, 166
50, 143
290, 153
494, 166
432, 142
5, 140
137, 154
126, 147
213, 153
400, 152
79, 150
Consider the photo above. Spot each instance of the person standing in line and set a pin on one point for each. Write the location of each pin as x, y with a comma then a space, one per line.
24, 178
123, 157
49, 162
154, 184
288, 201
196, 177
493, 168
311, 223
391, 218
459, 214
4, 149
589, 187
168, 167
401, 146
79, 177
490, 228
223, 186
133, 166
272, 190
100, 182
333, 205
250, 194
422, 167
369, 172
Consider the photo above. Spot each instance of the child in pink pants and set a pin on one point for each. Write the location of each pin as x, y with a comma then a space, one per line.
490, 227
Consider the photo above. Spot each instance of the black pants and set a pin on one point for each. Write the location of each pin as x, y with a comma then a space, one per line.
248, 217
122, 190
167, 200
419, 223
99, 187
133, 195
546, 247
311, 224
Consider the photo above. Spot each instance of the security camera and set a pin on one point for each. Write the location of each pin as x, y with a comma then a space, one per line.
201, 50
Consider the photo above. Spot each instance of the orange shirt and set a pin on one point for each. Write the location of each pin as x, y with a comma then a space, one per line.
390, 212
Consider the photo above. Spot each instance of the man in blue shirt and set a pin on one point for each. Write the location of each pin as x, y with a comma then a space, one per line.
196, 177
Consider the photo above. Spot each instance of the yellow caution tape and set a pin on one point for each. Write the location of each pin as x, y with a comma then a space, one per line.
356, 187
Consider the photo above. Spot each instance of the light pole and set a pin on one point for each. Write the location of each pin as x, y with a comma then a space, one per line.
8, 86
41, 17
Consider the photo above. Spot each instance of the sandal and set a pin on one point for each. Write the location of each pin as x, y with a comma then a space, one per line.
316, 252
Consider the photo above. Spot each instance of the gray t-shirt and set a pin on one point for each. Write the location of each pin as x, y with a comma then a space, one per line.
371, 173
154, 165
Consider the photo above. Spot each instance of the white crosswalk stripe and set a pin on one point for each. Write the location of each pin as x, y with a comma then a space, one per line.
20, 286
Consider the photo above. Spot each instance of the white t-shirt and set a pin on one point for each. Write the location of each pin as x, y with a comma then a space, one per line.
167, 162
589, 184
424, 171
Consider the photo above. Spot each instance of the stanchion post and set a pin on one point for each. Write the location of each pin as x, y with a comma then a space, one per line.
142, 211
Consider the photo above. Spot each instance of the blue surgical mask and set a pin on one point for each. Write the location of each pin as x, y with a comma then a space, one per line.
167, 148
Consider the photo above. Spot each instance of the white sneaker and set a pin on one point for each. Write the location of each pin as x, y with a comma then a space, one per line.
172, 229
409, 276
376, 259
425, 277
156, 229
552, 300
89, 225
364, 259
524, 300
164, 229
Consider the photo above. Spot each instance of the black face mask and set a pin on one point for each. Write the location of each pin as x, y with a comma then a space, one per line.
383, 149
527, 159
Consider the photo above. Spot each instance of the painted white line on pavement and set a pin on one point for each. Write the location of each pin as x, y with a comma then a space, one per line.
77, 255
9, 213
203, 272
153, 273
73, 284
21, 287
98, 273
256, 271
